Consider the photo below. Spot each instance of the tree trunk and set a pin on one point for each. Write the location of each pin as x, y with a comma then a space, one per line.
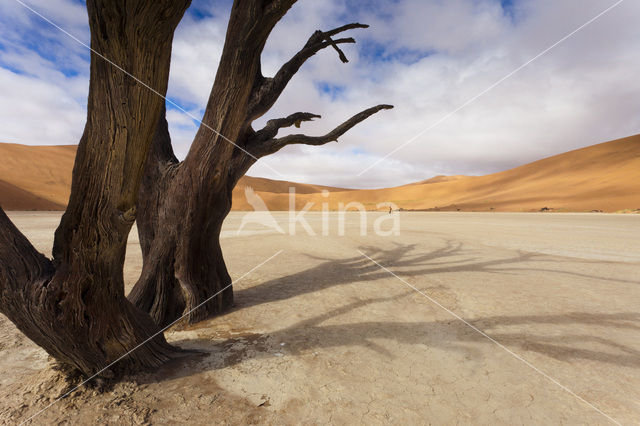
195, 196
74, 306
184, 271
183, 267
180, 278
202, 272
200, 266
73, 324
157, 291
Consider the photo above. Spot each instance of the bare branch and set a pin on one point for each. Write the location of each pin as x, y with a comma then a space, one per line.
329, 34
344, 28
273, 126
268, 90
260, 147
341, 54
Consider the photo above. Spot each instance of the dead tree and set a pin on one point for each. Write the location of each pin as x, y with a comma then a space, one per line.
182, 205
74, 305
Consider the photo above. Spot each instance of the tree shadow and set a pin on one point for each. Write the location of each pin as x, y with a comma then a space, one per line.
450, 334
223, 350
402, 260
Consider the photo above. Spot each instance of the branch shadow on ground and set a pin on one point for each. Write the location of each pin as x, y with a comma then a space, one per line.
450, 258
304, 338
450, 334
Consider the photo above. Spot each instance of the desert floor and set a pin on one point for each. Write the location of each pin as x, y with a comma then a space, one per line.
524, 319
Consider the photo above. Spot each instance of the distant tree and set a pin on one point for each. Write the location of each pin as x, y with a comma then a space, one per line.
74, 305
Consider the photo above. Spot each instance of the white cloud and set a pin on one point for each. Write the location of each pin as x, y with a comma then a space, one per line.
43, 73
40, 113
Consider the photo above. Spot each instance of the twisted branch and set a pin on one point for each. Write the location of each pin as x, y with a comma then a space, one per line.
267, 90
273, 126
259, 146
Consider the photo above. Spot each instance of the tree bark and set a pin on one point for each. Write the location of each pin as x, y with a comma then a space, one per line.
158, 290
74, 306
183, 271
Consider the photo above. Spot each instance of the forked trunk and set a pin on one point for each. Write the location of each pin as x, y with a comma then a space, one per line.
77, 329
183, 275
183, 266
182, 205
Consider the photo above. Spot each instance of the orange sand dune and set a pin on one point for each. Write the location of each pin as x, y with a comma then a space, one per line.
600, 177
282, 186
19, 199
42, 173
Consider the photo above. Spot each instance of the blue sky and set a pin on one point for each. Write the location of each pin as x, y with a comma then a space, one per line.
427, 57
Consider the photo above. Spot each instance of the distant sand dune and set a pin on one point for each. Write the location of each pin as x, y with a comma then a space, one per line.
18, 199
600, 177
42, 173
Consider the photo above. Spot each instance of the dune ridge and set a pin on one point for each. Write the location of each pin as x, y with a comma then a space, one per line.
603, 177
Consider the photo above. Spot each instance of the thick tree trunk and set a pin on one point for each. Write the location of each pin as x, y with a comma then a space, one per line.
184, 273
157, 291
72, 324
195, 197
74, 306
180, 280
200, 266
75, 329
166, 249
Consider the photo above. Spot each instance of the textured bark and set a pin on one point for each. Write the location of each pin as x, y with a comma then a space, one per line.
185, 277
74, 306
183, 206
164, 246
160, 167
183, 268
157, 291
